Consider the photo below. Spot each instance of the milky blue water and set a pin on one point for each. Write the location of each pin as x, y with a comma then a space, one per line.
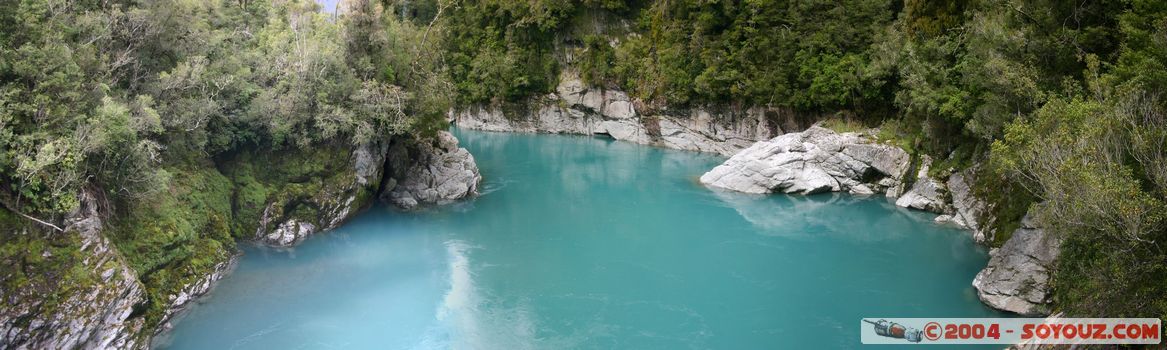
579, 242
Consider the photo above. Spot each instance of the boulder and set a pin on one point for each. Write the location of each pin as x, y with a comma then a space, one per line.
1017, 276
813, 161
436, 172
926, 193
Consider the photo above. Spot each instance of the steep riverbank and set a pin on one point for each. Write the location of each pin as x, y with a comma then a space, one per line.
113, 297
576, 108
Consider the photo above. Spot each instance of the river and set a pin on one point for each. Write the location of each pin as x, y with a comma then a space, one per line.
581, 242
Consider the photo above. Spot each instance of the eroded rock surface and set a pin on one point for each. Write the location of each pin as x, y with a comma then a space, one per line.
325, 199
434, 172
578, 109
192, 291
813, 161
966, 207
926, 193
1017, 276
97, 316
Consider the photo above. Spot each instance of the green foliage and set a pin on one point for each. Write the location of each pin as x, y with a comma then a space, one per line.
500, 51
808, 55
103, 93
1080, 157
295, 180
843, 124
177, 235
978, 65
41, 267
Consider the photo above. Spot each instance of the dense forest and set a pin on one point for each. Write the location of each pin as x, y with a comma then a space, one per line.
169, 109
1058, 103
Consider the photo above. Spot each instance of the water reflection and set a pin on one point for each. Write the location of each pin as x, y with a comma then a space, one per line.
835, 215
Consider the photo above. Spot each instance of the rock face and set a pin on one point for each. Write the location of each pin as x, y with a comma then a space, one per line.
816, 160
1017, 276
966, 208
926, 193
435, 172
295, 212
577, 109
98, 316
191, 292
281, 196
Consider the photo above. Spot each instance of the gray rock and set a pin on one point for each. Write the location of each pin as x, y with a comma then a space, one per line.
813, 161
332, 206
1017, 276
578, 109
441, 172
94, 316
926, 193
288, 233
193, 291
966, 208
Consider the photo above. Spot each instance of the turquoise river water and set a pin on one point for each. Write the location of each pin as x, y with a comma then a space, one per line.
580, 242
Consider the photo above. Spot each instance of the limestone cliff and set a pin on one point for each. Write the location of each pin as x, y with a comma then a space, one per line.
579, 109
285, 196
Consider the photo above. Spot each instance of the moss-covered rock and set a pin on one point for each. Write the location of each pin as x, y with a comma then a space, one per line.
114, 284
66, 289
176, 237
284, 196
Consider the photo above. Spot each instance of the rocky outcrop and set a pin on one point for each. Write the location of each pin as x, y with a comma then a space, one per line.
1017, 276
79, 293
578, 109
926, 193
813, 161
192, 291
429, 172
98, 303
966, 207
306, 201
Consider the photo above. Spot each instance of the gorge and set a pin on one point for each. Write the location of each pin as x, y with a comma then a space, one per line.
564, 174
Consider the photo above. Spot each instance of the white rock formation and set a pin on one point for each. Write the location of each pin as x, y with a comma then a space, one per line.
813, 161
927, 193
192, 291
966, 207
440, 172
578, 109
1017, 276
